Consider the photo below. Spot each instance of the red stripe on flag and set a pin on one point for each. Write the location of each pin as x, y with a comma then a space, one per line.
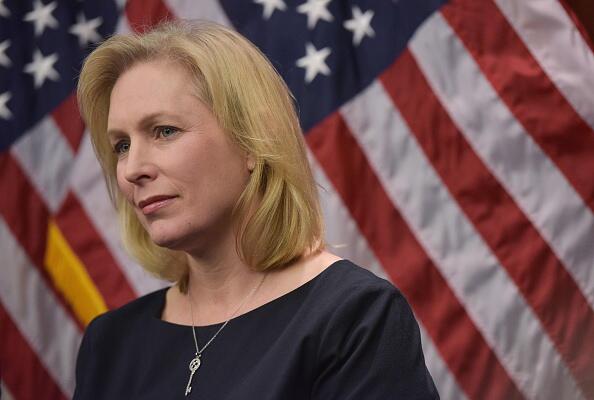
23, 209
531, 263
545, 113
68, 119
27, 217
86, 242
22, 371
143, 14
409, 267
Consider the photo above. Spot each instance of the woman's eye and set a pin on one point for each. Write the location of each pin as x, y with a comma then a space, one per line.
121, 147
166, 131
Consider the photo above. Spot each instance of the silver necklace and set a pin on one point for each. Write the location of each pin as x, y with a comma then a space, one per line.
195, 362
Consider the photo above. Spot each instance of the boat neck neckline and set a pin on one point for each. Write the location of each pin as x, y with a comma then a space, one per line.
156, 315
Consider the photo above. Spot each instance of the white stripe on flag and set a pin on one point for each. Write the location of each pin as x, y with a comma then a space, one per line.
528, 175
509, 326
357, 249
121, 4
41, 320
46, 157
88, 184
6, 395
557, 45
210, 10
123, 27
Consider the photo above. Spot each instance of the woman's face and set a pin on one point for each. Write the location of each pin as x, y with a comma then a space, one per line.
176, 165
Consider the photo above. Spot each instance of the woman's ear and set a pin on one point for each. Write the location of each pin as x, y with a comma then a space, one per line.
251, 162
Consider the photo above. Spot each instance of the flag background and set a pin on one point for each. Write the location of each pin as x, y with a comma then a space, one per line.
454, 147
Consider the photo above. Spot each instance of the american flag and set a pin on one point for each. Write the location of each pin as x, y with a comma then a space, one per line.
454, 147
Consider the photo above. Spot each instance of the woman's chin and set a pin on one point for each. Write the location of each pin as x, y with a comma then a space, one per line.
183, 243
171, 242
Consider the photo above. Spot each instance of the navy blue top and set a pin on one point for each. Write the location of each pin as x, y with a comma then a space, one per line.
346, 334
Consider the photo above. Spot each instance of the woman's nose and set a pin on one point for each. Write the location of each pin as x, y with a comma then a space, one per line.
139, 166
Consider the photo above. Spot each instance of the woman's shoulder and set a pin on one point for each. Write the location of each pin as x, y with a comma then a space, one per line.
130, 314
328, 273
349, 296
346, 278
367, 322
345, 293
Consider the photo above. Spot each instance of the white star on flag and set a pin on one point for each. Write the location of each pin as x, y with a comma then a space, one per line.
4, 60
4, 111
42, 68
42, 17
314, 62
270, 6
360, 25
315, 10
86, 31
4, 12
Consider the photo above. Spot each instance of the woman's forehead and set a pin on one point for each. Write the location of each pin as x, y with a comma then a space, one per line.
153, 77
150, 89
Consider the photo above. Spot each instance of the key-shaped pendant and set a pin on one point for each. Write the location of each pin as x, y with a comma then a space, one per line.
194, 365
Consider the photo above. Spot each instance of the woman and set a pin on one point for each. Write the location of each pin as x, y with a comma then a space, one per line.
205, 162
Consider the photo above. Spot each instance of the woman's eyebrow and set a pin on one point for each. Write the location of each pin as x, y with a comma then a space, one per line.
115, 133
150, 119
144, 123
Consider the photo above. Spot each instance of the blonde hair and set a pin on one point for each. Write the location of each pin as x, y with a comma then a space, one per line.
278, 212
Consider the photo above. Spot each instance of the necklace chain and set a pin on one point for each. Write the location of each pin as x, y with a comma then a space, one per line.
245, 300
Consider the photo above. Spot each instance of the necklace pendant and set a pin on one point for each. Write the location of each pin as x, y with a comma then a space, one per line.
194, 365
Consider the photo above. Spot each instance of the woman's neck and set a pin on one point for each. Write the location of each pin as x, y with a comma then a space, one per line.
218, 286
